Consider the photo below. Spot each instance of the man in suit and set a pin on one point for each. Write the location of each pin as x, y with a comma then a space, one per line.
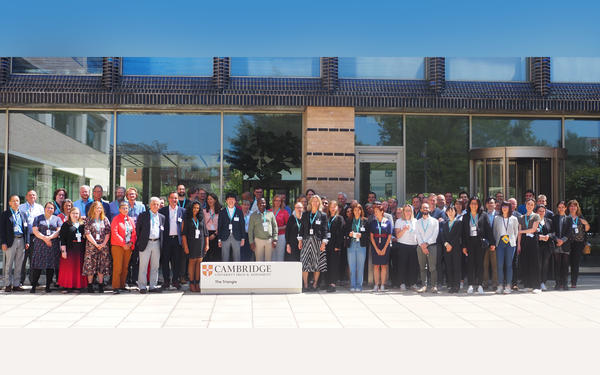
172, 252
31, 210
149, 230
14, 230
231, 229
97, 193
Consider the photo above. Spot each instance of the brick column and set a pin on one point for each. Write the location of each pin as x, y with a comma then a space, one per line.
328, 151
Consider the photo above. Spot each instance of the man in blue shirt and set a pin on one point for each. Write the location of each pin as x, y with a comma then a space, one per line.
119, 197
84, 193
529, 194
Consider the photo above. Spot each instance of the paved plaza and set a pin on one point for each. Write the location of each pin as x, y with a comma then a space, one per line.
579, 308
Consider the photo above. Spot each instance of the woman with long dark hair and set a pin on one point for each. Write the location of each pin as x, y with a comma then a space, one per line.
194, 237
45, 255
211, 220
545, 243
561, 250
477, 234
529, 249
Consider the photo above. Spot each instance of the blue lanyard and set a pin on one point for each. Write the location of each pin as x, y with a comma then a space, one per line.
196, 223
331, 221
230, 216
297, 223
127, 227
212, 216
451, 224
474, 222
357, 226
527, 221
17, 219
264, 216
379, 225
57, 207
575, 220
312, 218
423, 226
152, 218
277, 213
183, 204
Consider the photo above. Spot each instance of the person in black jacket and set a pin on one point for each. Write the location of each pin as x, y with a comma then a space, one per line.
452, 236
293, 233
14, 237
313, 242
172, 252
477, 234
231, 229
335, 236
149, 230
195, 242
545, 243
577, 226
561, 249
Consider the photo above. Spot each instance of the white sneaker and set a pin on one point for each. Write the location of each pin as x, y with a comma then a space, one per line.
462, 285
434, 290
352, 290
470, 290
543, 287
537, 291
382, 288
414, 288
528, 290
375, 289
403, 287
423, 289
480, 289
507, 290
499, 290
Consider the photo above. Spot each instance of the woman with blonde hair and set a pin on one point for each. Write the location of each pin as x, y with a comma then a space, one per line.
96, 260
313, 242
406, 237
577, 227
72, 248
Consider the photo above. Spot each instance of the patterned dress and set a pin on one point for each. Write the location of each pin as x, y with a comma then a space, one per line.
96, 260
43, 256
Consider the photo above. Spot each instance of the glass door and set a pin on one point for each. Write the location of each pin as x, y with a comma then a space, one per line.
380, 170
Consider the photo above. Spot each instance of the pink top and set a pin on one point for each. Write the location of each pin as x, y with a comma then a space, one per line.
281, 217
211, 220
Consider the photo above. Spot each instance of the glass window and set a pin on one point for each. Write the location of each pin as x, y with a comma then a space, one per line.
265, 150
275, 67
575, 69
378, 130
502, 131
48, 150
486, 69
168, 66
382, 67
2, 155
437, 154
156, 152
57, 65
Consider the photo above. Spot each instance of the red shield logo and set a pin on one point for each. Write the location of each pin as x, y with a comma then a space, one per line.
207, 270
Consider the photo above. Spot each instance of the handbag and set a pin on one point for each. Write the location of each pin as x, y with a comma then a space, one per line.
587, 249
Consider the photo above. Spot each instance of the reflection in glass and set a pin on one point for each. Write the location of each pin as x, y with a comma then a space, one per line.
486, 69
57, 65
275, 67
502, 131
479, 179
168, 66
379, 130
263, 149
156, 152
380, 178
437, 157
2, 155
575, 69
48, 150
382, 67
494, 171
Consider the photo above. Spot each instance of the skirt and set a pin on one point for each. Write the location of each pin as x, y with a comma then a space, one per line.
69, 270
311, 256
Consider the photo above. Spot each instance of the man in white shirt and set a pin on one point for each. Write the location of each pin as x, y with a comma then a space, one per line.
427, 232
31, 210
258, 194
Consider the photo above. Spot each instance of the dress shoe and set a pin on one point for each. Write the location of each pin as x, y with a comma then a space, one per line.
90, 288
100, 288
331, 289
17, 289
143, 291
155, 290
8, 289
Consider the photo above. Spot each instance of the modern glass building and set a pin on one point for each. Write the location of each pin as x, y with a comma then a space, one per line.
394, 125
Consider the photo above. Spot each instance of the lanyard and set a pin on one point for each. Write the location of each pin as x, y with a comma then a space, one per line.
277, 213
539, 228
57, 207
211, 213
423, 226
575, 220
451, 224
230, 215
17, 219
299, 224
505, 221
127, 227
312, 218
491, 218
152, 218
357, 226
264, 216
527, 220
182, 204
196, 223
474, 222
331, 221
379, 226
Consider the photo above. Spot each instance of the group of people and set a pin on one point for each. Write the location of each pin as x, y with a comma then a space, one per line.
433, 241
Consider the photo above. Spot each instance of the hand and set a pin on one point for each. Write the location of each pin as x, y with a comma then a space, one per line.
186, 250
584, 222
322, 246
519, 249
48, 242
288, 249
26, 246
336, 249
465, 251
98, 246
448, 247
274, 243
357, 235
4, 247
127, 246
253, 246
242, 242
206, 249
352, 234
559, 242
406, 227
300, 245
220, 244
63, 253
425, 249
492, 247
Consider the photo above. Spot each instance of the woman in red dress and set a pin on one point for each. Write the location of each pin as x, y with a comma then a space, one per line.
72, 248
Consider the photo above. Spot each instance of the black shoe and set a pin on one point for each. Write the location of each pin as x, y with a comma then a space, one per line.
32, 291
305, 289
17, 289
100, 288
90, 288
143, 291
155, 290
331, 289
177, 286
323, 287
165, 286
8, 289
47, 290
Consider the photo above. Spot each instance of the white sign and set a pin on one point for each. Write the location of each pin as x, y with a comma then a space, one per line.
250, 277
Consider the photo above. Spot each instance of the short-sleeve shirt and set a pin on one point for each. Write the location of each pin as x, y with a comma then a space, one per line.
527, 222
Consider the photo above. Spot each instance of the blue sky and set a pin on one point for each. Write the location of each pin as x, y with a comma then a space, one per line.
300, 28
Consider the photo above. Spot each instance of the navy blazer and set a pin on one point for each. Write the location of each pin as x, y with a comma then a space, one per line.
239, 227
7, 224
180, 213
142, 230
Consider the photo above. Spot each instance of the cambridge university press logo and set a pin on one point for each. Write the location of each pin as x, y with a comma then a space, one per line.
207, 270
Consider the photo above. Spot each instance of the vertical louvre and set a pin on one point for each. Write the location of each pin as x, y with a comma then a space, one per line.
221, 73
329, 73
111, 72
539, 74
435, 73
4, 70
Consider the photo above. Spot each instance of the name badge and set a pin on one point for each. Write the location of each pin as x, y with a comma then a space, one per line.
299, 238
78, 236
48, 232
179, 219
473, 231
25, 224
97, 236
266, 227
16, 228
318, 222
505, 239
362, 229
197, 233
530, 235
230, 227
328, 235
576, 230
311, 231
162, 227
236, 219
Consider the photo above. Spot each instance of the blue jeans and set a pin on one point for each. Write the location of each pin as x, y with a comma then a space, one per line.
504, 257
356, 263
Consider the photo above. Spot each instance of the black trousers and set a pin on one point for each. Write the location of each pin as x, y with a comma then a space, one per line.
545, 255
170, 259
133, 267
333, 265
575, 257
516, 270
453, 261
343, 275
561, 265
26, 258
395, 264
441, 264
474, 260
530, 262
35, 276
214, 251
408, 264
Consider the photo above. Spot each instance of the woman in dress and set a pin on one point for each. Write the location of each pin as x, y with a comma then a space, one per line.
72, 248
528, 248
293, 233
577, 226
194, 238
65, 209
381, 237
211, 220
96, 260
335, 242
281, 217
312, 244
46, 253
